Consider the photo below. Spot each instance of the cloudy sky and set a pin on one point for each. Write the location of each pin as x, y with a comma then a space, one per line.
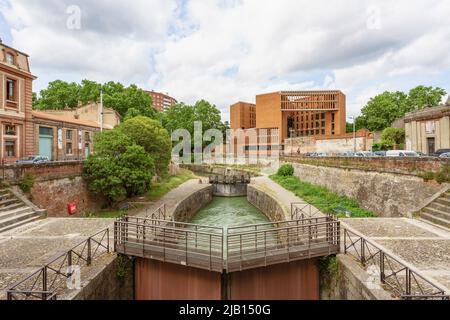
230, 50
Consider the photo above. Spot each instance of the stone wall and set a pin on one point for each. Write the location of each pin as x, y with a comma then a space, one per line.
187, 208
115, 281
54, 195
42, 172
409, 166
388, 194
351, 283
266, 203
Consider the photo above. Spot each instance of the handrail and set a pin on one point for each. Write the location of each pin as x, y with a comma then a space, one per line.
403, 276
47, 276
158, 214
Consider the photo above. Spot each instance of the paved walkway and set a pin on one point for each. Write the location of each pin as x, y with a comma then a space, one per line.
24, 250
173, 197
423, 246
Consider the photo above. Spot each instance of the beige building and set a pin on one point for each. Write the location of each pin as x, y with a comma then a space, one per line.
90, 112
428, 130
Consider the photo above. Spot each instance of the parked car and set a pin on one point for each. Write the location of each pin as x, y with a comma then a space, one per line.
33, 160
421, 154
365, 154
401, 153
380, 153
445, 155
439, 152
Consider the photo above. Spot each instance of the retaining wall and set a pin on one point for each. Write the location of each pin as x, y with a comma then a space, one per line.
188, 207
266, 203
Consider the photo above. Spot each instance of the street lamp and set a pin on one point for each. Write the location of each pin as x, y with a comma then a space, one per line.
354, 133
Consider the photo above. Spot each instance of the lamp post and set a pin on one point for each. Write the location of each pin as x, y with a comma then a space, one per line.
354, 133
101, 109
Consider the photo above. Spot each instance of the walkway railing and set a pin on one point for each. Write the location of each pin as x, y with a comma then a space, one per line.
158, 214
229, 179
304, 210
238, 248
169, 241
272, 243
45, 283
397, 276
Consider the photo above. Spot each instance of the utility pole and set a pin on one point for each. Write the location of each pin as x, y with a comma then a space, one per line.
101, 109
354, 134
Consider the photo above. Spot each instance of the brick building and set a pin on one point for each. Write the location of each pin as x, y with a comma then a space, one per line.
161, 101
288, 114
16, 134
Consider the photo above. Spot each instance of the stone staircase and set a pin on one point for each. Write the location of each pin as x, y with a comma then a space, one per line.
16, 211
438, 211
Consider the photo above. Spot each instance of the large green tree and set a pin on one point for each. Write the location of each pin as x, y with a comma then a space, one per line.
150, 135
60, 95
119, 168
381, 111
421, 97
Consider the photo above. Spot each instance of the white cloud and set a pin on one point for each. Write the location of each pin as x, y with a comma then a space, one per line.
229, 50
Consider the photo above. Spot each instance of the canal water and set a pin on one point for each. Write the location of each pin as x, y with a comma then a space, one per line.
226, 212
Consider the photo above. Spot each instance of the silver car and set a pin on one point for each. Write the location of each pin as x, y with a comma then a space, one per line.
445, 155
33, 160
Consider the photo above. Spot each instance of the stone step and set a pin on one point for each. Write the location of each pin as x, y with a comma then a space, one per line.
4, 223
435, 220
441, 207
443, 201
20, 223
15, 212
11, 207
7, 202
437, 213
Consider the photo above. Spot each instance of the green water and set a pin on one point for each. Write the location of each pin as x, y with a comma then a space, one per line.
227, 212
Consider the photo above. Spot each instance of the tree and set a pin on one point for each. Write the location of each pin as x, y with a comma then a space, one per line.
58, 96
118, 168
393, 136
382, 110
150, 135
421, 97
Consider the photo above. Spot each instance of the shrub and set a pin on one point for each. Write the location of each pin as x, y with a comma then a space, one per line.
286, 170
443, 176
27, 183
427, 176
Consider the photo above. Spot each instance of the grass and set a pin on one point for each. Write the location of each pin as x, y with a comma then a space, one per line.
322, 198
159, 189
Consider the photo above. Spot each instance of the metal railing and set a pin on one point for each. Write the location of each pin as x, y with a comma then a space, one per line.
271, 243
304, 210
45, 283
395, 275
169, 241
158, 214
229, 179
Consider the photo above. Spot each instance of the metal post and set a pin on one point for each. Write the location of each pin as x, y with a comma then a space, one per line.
408, 282
89, 257
44, 278
69, 258
107, 238
354, 134
186, 248
382, 275
363, 258
345, 241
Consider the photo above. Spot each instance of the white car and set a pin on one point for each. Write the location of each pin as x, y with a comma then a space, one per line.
445, 155
401, 153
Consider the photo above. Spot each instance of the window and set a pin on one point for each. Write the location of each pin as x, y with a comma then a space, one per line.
9, 58
323, 115
69, 135
10, 90
10, 130
45, 131
87, 136
69, 150
10, 148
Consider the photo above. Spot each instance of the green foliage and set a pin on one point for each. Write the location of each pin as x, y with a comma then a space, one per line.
60, 94
123, 266
322, 198
329, 271
427, 176
382, 110
155, 140
169, 183
393, 136
181, 116
421, 97
443, 176
27, 183
286, 170
118, 168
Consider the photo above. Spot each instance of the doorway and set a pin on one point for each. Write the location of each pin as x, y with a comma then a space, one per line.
431, 143
46, 142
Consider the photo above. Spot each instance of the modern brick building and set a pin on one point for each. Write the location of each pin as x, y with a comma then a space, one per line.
17, 132
288, 114
161, 101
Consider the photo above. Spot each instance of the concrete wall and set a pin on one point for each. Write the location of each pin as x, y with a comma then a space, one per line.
352, 283
54, 195
230, 190
328, 145
266, 203
188, 207
105, 284
389, 195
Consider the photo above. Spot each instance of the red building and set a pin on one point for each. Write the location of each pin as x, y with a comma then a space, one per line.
161, 101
